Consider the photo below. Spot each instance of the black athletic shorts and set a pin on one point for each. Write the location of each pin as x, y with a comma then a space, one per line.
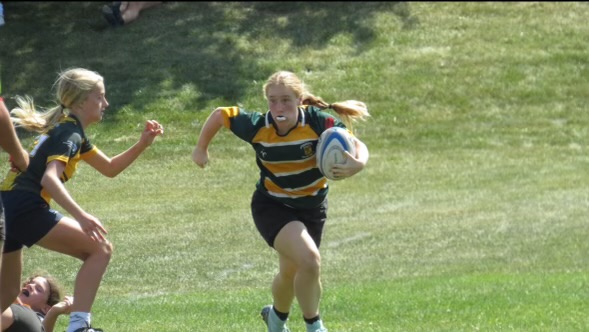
28, 219
270, 216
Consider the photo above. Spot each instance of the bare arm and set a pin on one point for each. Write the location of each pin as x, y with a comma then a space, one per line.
361, 152
61, 308
353, 164
9, 140
200, 154
52, 183
113, 167
7, 318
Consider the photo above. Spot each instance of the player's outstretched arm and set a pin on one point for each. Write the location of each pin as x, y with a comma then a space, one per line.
200, 154
112, 167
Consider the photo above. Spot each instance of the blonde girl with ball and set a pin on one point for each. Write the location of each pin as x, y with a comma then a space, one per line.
289, 205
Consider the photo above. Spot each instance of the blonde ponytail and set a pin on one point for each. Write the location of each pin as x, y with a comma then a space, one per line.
350, 110
26, 116
72, 87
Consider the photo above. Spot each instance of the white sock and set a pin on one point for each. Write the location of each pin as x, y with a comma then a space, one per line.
78, 320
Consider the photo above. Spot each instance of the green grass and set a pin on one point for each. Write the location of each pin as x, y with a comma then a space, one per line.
470, 215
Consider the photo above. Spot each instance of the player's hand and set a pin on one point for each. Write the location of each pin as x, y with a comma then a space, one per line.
65, 306
200, 157
19, 164
92, 227
349, 168
151, 131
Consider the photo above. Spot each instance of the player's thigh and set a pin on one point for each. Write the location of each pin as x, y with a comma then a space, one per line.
294, 242
67, 237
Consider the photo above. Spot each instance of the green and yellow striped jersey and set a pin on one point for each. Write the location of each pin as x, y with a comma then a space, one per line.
288, 170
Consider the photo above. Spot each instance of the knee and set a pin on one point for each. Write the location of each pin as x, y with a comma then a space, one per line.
311, 263
103, 252
106, 250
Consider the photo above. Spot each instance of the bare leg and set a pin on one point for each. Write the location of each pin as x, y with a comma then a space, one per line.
123, 6
68, 238
298, 249
283, 285
10, 277
131, 11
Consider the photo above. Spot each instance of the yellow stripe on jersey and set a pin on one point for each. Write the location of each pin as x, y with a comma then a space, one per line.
63, 158
45, 195
268, 136
282, 169
90, 153
228, 113
71, 164
8, 182
311, 190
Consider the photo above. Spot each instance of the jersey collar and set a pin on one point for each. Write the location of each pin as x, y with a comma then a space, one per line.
269, 120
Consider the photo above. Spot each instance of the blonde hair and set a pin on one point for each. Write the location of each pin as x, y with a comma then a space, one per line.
349, 110
72, 87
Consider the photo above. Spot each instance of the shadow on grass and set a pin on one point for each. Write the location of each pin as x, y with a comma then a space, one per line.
178, 45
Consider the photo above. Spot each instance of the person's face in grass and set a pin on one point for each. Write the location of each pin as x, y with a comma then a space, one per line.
35, 294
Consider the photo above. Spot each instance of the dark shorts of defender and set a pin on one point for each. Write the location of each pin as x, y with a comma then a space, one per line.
28, 219
270, 216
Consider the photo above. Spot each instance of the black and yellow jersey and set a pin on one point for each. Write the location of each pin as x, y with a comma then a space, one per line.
288, 168
65, 142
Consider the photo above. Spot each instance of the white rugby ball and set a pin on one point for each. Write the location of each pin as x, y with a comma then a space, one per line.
330, 150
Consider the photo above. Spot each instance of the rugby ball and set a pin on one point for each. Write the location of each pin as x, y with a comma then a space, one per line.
330, 150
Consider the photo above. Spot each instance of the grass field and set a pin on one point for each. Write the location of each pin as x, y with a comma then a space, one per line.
471, 214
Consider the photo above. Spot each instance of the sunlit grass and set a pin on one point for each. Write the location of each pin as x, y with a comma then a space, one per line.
471, 214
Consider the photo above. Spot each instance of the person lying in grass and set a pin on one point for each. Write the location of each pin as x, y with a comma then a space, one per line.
37, 306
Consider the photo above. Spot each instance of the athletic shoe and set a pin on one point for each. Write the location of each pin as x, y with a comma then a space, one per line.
112, 13
272, 321
316, 327
88, 329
